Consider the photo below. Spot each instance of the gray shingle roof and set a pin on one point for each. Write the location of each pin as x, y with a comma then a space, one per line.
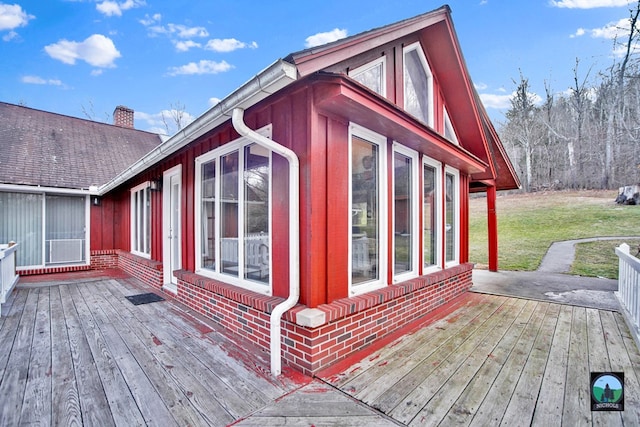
52, 150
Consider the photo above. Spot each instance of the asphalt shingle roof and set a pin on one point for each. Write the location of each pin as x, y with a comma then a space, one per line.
53, 150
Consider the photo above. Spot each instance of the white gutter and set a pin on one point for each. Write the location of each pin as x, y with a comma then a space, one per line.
294, 233
270, 80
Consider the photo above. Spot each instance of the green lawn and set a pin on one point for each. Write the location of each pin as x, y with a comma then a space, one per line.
529, 223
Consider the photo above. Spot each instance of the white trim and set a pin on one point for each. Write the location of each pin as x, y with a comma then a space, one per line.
437, 227
35, 189
167, 239
414, 198
270, 80
382, 61
145, 252
448, 170
425, 65
215, 155
381, 142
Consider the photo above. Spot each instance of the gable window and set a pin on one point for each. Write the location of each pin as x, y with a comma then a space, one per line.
452, 217
405, 218
372, 75
449, 132
233, 188
418, 84
367, 189
141, 220
431, 214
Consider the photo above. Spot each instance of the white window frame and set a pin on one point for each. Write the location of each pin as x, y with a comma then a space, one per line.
140, 248
425, 64
381, 141
414, 212
215, 155
456, 216
381, 62
448, 125
438, 228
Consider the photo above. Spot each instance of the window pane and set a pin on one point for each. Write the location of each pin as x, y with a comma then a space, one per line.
65, 229
450, 206
371, 78
229, 213
147, 220
208, 218
403, 234
365, 211
430, 216
416, 86
256, 212
21, 222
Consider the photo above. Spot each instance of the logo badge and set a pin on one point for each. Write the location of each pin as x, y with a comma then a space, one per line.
607, 391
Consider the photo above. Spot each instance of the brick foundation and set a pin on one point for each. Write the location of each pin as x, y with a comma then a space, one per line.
146, 270
339, 329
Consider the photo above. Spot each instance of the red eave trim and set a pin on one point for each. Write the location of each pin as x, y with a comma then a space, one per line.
312, 60
344, 99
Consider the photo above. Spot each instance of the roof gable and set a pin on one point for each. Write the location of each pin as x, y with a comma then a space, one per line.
40, 148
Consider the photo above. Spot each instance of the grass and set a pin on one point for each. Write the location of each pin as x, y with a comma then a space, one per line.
598, 259
529, 223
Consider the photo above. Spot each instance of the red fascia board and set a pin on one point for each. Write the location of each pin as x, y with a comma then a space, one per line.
347, 100
315, 59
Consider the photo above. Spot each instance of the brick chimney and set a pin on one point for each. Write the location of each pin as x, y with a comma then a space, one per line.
123, 117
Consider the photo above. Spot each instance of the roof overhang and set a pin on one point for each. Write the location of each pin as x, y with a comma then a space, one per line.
18, 188
341, 97
272, 79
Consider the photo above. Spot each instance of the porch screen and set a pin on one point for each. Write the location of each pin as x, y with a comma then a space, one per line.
51, 229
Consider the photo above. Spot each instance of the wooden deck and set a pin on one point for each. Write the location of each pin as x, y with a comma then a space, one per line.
81, 354
493, 360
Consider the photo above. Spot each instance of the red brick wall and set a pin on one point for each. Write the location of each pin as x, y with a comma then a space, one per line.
146, 270
351, 324
103, 260
52, 270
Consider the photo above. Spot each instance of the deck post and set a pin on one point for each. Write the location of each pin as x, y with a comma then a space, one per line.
492, 222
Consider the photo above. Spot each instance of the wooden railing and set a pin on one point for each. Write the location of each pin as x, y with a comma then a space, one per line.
8, 276
629, 288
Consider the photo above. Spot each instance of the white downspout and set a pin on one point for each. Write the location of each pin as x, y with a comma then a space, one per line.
237, 119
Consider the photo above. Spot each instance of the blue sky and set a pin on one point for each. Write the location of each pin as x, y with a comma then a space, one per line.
84, 57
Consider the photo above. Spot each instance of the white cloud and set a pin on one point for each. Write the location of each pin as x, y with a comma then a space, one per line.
324, 38
612, 30
185, 45
185, 32
214, 101
113, 8
499, 102
150, 20
37, 80
97, 72
579, 33
178, 30
164, 122
96, 50
228, 45
12, 16
202, 67
480, 86
588, 4
10, 36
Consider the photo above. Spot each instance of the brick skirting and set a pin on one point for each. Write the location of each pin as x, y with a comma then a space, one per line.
146, 270
337, 329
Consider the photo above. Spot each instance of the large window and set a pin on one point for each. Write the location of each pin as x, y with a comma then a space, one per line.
141, 220
372, 75
418, 84
368, 206
51, 229
431, 214
452, 217
233, 186
405, 213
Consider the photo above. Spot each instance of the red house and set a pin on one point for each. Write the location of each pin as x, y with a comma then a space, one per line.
324, 203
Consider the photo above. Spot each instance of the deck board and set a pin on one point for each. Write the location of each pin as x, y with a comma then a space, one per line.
513, 362
78, 353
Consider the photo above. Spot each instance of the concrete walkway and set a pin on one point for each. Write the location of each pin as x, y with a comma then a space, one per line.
551, 281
